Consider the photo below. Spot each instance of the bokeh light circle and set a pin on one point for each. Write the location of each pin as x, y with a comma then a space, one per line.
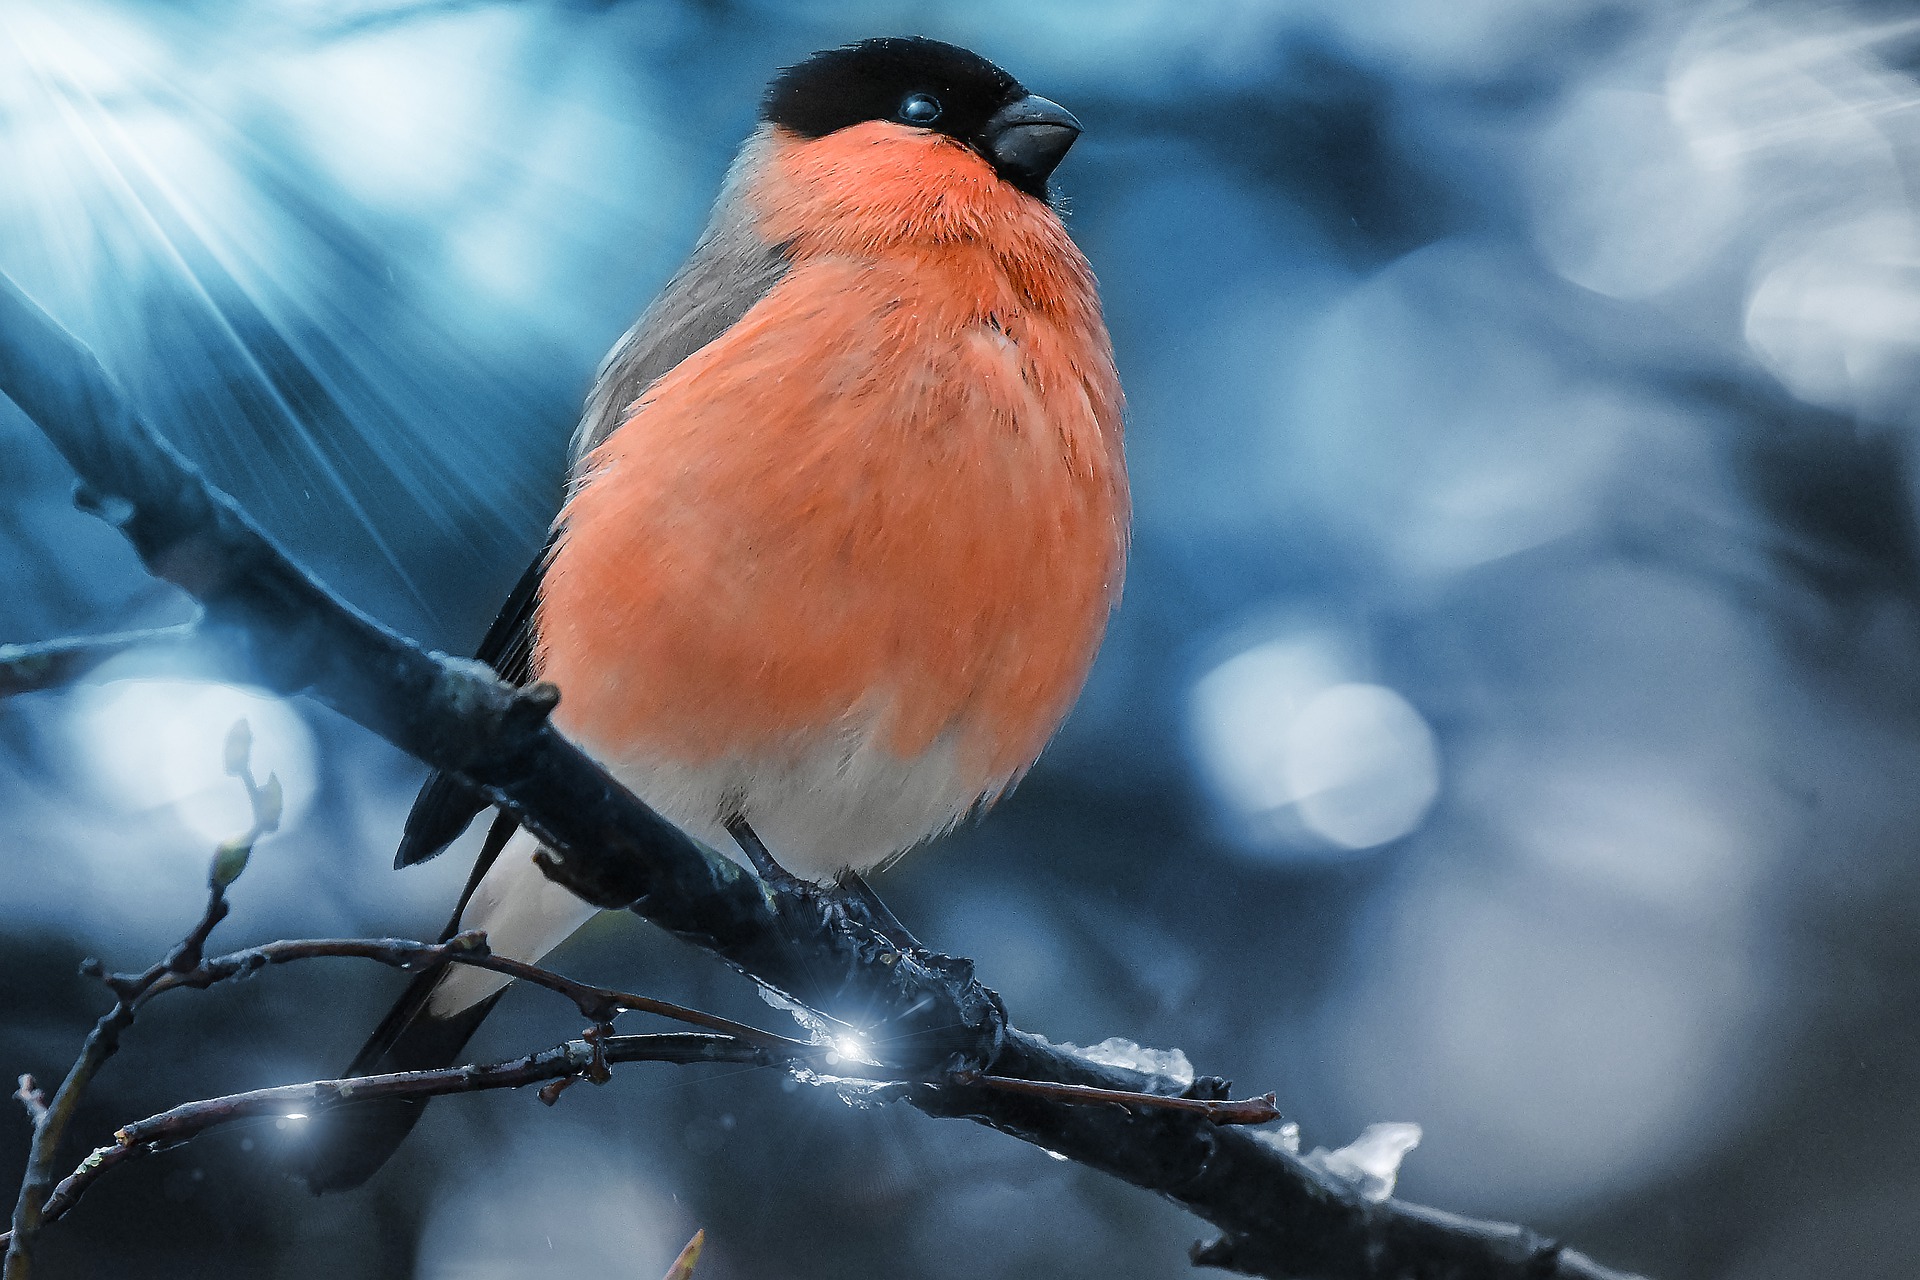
1362, 765
1303, 757
159, 744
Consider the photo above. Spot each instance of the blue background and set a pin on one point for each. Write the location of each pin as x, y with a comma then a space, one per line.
1509, 726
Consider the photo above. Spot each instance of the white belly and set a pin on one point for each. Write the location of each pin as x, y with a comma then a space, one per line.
845, 803
848, 803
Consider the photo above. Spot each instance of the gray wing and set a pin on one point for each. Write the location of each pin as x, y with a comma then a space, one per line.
731, 268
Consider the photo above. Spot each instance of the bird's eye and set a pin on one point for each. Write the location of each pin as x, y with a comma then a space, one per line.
920, 108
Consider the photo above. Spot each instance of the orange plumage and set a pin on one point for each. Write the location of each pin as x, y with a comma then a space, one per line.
894, 488
849, 521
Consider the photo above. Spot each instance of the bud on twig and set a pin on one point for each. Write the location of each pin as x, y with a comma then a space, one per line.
229, 860
267, 805
239, 748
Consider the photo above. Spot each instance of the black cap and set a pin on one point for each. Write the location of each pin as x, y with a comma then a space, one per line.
930, 85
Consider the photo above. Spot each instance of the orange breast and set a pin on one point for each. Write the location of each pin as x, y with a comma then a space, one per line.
890, 499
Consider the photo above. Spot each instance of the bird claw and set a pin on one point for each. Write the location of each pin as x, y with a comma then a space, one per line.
849, 898
759, 855
854, 891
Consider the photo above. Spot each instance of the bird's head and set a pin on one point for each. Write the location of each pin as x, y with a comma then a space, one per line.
910, 134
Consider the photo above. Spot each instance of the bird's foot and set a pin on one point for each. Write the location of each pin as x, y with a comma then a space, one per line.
850, 894
875, 914
759, 855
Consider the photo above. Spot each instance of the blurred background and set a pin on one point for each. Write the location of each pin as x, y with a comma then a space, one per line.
1512, 723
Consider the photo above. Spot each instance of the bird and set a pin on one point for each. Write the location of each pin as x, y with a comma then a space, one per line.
847, 517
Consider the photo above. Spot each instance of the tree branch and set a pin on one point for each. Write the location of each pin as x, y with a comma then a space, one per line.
597, 1004
562, 1062
51, 1119
569, 1061
589, 1057
54, 664
923, 1013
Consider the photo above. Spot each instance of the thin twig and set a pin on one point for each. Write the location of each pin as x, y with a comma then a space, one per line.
130, 992
564, 1063
304, 1101
596, 1004
50, 1124
584, 1058
48, 1128
41, 1202
53, 664
1259, 1110
599, 1004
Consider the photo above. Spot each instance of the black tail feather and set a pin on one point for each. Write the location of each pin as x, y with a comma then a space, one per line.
347, 1145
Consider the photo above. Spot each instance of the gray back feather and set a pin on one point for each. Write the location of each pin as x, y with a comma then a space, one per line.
731, 268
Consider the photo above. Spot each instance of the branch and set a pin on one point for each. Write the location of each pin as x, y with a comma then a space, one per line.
923, 1013
1259, 1110
562, 1062
53, 664
569, 1061
49, 1125
51, 1119
588, 1057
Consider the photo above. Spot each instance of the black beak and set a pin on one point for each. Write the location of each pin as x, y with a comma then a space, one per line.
1027, 139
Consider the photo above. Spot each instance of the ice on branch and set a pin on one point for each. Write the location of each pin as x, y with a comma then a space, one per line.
816, 1027
1371, 1162
1117, 1051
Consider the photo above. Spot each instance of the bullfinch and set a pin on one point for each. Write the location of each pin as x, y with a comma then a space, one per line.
848, 514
